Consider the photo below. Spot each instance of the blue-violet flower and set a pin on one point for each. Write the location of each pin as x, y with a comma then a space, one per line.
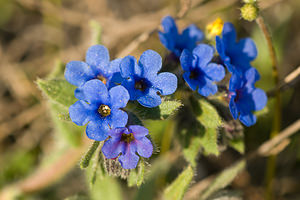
101, 108
199, 71
128, 142
235, 55
97, 66
245, 98
142, 81
176, 42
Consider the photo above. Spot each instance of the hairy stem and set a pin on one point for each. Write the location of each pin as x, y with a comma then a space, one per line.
271, 164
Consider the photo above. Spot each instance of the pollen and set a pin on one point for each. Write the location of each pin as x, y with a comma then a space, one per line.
215, 28
102, 79
104, 110
127, 137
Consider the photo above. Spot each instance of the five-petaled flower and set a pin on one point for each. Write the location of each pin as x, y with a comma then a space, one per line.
176, 42
235, 55
245, 98
97, 66
101, 108
142, 81
199, 72
128, 142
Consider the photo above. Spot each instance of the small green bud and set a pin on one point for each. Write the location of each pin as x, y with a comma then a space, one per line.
250, 1
249, 12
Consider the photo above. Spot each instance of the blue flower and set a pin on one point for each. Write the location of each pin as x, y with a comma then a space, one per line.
128, 142
101, 108
199, 71
142, 81
245, 98
235, 55
176, 42
97, 66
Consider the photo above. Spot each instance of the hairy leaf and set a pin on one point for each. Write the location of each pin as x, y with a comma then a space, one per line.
223, 179
177, 189
58, 91
136, 176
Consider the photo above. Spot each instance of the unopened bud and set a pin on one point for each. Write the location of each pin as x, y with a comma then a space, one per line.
249, 12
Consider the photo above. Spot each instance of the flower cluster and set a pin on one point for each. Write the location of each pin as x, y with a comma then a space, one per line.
104, 88
201, 74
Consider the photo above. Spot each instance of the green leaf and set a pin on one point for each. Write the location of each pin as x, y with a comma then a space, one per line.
210, 120
238, 144
223, 179
58, 91
177, 189
107, 188
136, 176
69, 131
58, 70
208, 116
190, 153
161, 112
89, 154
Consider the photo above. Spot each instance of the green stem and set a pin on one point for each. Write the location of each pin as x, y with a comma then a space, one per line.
271, 164
87, 157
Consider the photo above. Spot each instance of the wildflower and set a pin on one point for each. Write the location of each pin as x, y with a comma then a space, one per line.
176, 42
235, 55
128, 142
142, 81
199, 72
97, 66
101, 108
215, 28
245, 98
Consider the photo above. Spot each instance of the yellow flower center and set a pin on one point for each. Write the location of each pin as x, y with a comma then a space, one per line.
102, 79
127, 137
104, 110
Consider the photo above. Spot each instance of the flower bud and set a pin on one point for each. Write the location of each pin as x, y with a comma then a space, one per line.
249, 11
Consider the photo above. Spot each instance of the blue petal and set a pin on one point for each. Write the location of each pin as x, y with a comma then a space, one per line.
115, 80
204, 53
96, 56
129, 159
80, 112
260, 98
167, 41
112, 148
248, 48
115, 65
192, 34
248, 119
97, 130
95, 91
220, 47
236, 82
116, 133
186, 60
228, 35
119, 97
214, 71
129, 84
150, 63
208, 89
233, 109
78, 93
77, 73
192, 83
169, 25
138, 131
144, 147
117, 118
251, 76
151, 99
166, 83
129, 67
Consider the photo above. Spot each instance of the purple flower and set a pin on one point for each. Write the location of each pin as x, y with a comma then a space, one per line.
128, 142
100, 108
245, 98
176, 42
97, 66
199, 72
235, 55
142, 81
